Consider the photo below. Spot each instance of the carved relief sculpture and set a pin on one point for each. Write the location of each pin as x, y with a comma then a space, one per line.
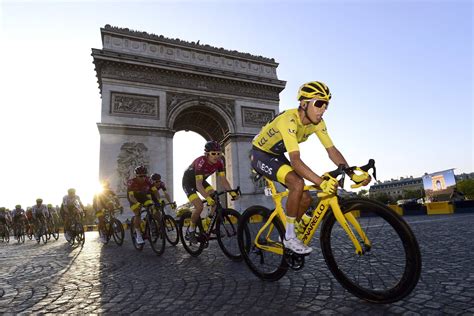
131, 155
131, 104
256, 117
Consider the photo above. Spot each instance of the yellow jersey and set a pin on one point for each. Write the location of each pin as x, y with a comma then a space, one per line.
285, 132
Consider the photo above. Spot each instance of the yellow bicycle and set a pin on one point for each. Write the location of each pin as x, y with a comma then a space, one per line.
373, 253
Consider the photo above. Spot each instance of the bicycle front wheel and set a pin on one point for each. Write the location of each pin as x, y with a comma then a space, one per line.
193, 247
117, 231
80, 235
171, 230
156, 235
265, 264
390, 266
226, 225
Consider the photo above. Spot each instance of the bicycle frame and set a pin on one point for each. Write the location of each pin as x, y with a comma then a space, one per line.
326, 201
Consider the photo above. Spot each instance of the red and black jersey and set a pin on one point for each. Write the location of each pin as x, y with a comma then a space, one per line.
135, 185
202, 167
161, 186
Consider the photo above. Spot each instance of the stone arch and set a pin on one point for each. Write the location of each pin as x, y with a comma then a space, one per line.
152, 86
203, 117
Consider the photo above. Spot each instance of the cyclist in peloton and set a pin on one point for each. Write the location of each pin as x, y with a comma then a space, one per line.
68, 207
160, 185
40, 213
105, 200
283, 134
18, 218
139, 192
194, 181
3, 216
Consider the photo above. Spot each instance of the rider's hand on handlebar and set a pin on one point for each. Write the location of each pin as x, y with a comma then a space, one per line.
234, 194
361, 179
329, 185
210, 201
173, 205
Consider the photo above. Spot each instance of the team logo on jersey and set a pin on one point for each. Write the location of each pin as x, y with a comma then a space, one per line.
265, 168
291, 131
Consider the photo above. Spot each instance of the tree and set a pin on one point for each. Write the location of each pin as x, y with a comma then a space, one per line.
384, 198
466, 187
412, 194
362, 193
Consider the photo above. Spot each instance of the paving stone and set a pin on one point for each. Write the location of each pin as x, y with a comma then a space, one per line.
56, 279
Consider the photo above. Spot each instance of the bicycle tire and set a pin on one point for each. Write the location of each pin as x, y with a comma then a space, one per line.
156, 236
44, 237
118, 232
72, 237
133, 237
251, 221
56, 233
184, 222
171, 230
226, 231
402, 262
80, 234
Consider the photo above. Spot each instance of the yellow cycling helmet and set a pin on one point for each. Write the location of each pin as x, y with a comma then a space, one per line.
314, 89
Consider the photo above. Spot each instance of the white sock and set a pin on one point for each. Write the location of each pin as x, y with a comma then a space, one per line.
290, 228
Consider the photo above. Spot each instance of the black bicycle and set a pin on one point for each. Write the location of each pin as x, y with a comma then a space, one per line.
222, 225
42, 232
19, 230
113, 227
4, 233
151, 230
52, 223
76, 229
169, 224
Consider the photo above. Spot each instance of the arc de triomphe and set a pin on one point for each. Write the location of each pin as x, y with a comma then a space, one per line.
152, 87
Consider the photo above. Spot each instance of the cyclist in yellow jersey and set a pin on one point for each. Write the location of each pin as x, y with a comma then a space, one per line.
283, 134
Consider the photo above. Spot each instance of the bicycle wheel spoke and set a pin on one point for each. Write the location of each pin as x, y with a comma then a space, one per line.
382, 273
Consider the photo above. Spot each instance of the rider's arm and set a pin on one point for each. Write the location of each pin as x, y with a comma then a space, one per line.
223, 181
167, 196
200, 187
132, 198
155, 193
336, 156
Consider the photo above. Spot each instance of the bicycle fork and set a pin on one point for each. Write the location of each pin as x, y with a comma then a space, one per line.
341, 218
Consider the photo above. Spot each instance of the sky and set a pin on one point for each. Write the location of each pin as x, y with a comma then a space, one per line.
400, 72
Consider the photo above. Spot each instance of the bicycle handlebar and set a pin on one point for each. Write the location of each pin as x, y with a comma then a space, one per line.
349, 170
216, 194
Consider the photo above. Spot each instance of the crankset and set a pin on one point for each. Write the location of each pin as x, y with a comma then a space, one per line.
295, 261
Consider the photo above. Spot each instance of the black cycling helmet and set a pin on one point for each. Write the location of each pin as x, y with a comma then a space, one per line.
156, 177
212, 145
141, 170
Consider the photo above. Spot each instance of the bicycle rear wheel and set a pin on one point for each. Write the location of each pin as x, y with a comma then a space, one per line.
226, 232
194, 249
390, 266
117, 231
171, 230
156, 235
266, 265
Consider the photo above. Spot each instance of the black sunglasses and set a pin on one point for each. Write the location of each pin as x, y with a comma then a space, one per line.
321, 103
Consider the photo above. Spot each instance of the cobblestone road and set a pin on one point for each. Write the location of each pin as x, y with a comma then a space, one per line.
54, 278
